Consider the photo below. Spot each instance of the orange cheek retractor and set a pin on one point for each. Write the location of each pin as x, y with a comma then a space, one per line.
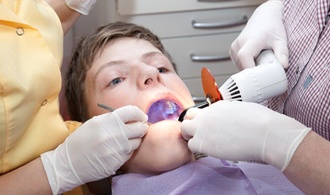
211, 92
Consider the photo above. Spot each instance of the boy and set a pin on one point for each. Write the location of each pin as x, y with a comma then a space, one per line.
124, 64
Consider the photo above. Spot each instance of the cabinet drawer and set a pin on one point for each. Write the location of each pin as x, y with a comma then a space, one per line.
136, 7
182, 49
196, 89
178, 24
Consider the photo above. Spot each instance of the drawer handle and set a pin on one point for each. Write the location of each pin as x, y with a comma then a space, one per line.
223, 24
197, 58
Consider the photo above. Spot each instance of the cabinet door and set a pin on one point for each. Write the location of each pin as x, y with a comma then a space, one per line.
177, 24
192, 53
139, 7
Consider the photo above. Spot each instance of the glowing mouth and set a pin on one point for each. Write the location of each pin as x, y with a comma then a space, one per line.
163, 110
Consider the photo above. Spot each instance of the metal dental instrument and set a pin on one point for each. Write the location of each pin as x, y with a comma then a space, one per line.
105, 107
112, 109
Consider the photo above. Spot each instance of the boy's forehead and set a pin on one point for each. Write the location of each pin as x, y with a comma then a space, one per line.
129, 46
124, 49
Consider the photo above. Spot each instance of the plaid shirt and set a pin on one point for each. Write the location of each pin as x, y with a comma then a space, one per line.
308, 96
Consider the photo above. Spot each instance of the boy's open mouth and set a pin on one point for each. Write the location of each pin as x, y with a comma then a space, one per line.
163, 109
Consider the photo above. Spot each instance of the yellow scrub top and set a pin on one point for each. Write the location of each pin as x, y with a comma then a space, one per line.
31, 47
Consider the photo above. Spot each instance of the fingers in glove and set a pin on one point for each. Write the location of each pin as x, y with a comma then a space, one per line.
127, 131
195, 146
281, 53
191, 113
188, 129
247, 54
135, 143
233, 52
242, 59
136, 129
131, 114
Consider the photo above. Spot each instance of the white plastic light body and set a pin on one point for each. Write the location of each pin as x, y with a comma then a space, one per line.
266, 80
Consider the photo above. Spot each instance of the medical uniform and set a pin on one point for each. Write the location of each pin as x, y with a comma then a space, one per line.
31, 47
308, 95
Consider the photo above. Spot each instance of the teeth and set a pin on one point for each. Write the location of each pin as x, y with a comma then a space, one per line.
163, 110
171, 107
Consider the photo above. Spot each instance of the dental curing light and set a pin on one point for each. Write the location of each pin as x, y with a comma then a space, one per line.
266, 80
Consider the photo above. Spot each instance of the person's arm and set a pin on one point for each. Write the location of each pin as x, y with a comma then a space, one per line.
28, 179
92, 152
242, 131
67, 15
309, 168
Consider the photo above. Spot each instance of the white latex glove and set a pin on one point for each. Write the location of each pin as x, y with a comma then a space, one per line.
241, 131
264, 30
81, 6
96, 149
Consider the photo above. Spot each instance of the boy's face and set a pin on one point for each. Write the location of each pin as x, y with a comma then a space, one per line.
134, 72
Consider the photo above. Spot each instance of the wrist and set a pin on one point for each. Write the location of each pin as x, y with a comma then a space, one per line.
61, 177
282, 143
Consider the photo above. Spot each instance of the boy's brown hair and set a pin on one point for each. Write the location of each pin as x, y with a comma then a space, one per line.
84, 55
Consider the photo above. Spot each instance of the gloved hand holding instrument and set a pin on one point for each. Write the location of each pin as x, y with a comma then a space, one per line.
234, 130
96, 149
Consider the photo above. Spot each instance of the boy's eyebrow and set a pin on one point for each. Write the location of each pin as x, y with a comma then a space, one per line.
118, 62
152, 53
111, 63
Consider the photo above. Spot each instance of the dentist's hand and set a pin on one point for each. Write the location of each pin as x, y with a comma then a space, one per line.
264, 30
96, 149
242, 131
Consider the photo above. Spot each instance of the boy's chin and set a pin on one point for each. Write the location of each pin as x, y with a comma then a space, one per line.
162, 149
159, 167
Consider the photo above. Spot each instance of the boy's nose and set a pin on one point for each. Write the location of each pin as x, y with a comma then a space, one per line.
150, 77
148, 81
